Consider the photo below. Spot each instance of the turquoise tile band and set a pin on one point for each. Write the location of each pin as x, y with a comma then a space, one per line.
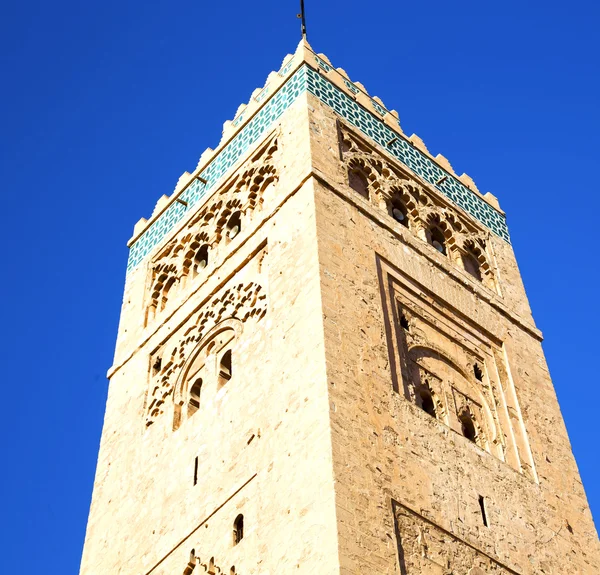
220, 164
406, 153
367, 122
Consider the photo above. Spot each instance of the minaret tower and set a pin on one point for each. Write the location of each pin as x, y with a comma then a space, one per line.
326, 364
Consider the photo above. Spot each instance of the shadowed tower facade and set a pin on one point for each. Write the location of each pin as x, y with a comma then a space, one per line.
326, 363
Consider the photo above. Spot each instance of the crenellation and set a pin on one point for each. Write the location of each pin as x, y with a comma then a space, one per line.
160, 205
420, 144
468, 181
183, 181
443, 161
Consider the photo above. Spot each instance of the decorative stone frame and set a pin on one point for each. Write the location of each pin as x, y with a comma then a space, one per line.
439, 335
203, 360
388, 181
230, 308
425, 547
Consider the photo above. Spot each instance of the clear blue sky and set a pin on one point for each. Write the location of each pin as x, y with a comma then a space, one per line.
105, 104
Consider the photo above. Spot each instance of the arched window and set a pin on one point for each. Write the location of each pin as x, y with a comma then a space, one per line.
225, 368
194, 399
358, 182
436, 239
165, 292
472, 266
238, 529
399, 212
234, 225
201, 259
427, 402
468, 427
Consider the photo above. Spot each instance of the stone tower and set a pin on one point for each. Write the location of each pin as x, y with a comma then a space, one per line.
327, 364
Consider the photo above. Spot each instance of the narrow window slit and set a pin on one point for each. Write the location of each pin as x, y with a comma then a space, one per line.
399, 212
404, 323
196, 470
234, 225
358, 182
194, 399
427, 403
468, 427
483, 513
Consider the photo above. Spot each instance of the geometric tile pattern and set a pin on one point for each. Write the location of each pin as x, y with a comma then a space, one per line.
371, 126
219, 165
406, 153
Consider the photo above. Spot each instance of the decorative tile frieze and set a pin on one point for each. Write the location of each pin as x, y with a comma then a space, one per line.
406, 153
351, 87
221, 163
366, 121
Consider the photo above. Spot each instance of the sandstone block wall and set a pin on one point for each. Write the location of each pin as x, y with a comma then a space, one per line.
410, 487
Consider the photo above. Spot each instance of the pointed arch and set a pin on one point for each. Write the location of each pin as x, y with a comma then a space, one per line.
164, 279
189, 384
475, 261
438, 233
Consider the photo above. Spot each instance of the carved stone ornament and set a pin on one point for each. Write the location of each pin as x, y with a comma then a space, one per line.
217, 223
244, 302
426, 548
388, 185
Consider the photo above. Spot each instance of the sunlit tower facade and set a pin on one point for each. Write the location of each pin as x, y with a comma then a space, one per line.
326, 363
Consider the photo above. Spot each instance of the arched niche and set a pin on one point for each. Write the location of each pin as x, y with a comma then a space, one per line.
457, 388
199, 367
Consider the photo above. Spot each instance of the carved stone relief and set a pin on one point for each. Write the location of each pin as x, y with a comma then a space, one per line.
453, 369
211, 230
395, 191
426, 549
197, 565
223, 316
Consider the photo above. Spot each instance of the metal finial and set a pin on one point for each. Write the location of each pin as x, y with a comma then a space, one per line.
302, 17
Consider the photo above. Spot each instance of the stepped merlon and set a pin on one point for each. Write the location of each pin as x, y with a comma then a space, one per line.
304, 54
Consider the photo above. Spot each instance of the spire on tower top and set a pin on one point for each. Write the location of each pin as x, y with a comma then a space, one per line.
302, 17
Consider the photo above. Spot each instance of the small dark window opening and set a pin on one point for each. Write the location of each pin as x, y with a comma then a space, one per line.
427, 403
358, 182
437, 240
472, 266
399, 213
234, 225
201, 258
404, 323
477, 372
156, 366
225, 368
238, 529
196, 470
468, 427
568, 526
483, 513
194, 401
